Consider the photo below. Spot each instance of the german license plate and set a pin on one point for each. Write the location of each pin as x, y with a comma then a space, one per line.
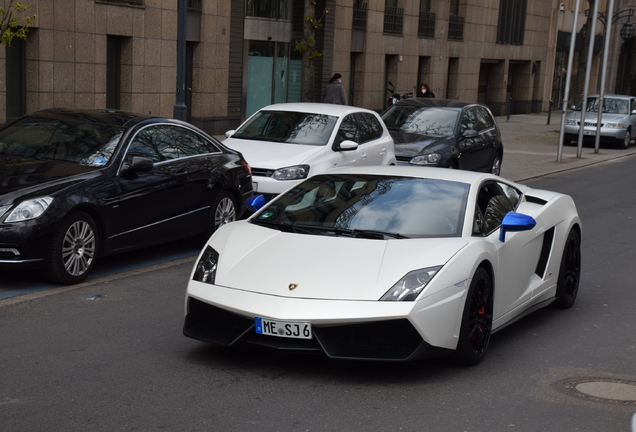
295, 330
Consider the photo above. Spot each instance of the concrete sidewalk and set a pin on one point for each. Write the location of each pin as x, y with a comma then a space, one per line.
531, 147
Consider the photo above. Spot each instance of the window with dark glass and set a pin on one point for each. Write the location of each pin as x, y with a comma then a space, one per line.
15, 78
278, 9
512, 21
456, 20
156, 143
426, 23
192, 144
494, 201
370, 128
393, 17
113, 71
124, 2
348, 130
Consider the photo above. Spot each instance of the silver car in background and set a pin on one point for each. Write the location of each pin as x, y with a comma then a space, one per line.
617, 122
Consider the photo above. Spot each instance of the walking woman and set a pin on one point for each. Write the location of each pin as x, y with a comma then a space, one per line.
334, 91
425, 91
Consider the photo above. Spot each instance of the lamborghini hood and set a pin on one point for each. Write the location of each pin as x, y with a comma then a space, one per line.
263, 260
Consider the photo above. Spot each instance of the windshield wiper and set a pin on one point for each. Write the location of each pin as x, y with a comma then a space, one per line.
281, 226
376, 234
356, 233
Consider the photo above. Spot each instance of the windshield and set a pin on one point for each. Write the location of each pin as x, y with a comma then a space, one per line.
422, 120
288, 127
610, 106
361, 204
61, 140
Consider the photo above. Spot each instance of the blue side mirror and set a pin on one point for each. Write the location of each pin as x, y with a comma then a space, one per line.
255, 202
515, 222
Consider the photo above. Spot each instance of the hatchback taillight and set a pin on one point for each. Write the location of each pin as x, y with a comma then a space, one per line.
247, 167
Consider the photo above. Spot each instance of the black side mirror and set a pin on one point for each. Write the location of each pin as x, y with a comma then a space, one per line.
470, 133
139, 164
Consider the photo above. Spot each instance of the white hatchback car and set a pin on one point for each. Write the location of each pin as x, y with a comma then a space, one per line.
284, 143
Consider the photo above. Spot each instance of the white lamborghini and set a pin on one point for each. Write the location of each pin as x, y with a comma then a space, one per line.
387, 263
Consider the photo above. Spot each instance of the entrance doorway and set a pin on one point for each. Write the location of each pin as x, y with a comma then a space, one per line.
272, 77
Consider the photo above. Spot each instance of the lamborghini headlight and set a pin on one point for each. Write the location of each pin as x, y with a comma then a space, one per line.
29, 209
206, 267
411, 285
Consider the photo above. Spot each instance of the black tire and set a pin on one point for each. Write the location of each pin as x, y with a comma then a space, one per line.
569, 272
476, 327
73, 250
495, 166
569, 139
223, 211
625, 142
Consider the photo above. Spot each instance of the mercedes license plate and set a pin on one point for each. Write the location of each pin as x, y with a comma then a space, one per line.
296, 330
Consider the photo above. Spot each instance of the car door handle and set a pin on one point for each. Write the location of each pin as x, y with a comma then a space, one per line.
363, 156
179, 172
383, 150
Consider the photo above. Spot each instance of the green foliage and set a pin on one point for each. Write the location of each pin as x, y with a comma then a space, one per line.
13, 24
309, 44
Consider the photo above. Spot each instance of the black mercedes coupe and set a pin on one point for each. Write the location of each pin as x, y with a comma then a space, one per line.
79, 184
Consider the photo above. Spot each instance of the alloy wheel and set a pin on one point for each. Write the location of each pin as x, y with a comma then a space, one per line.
480, 316
225, 212
78, 248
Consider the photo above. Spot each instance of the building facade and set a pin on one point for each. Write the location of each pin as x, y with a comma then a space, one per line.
122, 54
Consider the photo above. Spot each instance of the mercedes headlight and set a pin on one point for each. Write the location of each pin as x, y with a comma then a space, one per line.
291, 173
206, 267
427, 159
411, 285
29, 209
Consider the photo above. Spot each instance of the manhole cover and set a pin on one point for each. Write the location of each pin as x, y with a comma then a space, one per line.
609, 390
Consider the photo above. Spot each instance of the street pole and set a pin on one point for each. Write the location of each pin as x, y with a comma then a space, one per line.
601, 95
180, 108
588, 71
568, 79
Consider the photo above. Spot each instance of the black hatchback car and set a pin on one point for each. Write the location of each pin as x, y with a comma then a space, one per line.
77, 184
445, 133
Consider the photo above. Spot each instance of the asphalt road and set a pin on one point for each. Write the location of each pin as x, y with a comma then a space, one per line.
109, 354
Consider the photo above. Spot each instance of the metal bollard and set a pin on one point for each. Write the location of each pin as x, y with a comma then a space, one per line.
509, 108
549, 112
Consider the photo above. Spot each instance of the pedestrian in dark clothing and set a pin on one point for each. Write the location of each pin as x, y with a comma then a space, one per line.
425, 91
334, 91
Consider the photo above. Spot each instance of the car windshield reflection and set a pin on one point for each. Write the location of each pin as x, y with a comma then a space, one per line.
426, 121
610, 106
288, 127
369, 206
83, 143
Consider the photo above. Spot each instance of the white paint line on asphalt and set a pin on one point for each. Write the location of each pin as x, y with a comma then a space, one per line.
95, 281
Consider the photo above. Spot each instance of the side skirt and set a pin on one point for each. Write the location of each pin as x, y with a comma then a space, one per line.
528, 311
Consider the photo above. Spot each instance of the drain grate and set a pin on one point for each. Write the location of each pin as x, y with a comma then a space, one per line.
607, 390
